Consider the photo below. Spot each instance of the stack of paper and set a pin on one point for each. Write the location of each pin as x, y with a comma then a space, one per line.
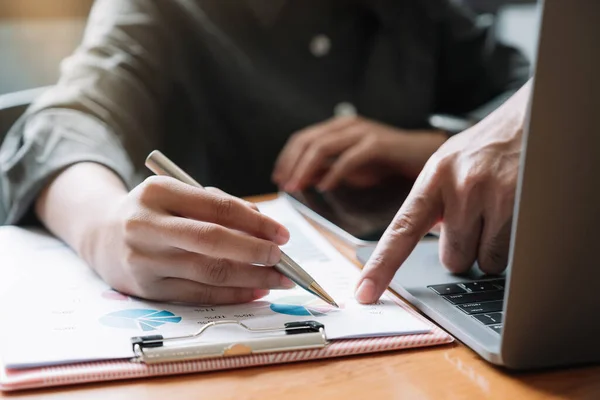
55, 310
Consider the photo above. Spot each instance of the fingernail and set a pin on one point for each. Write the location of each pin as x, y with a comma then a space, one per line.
286, 283
274, 255
258, 293
366, 292
282, 236
291, 187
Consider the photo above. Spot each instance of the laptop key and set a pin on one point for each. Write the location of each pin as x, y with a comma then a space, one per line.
499, 283
480, 286
463, 298
489, 319
496, 328
450, 288
482, 308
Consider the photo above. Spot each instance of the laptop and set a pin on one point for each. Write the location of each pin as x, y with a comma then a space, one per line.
545, 310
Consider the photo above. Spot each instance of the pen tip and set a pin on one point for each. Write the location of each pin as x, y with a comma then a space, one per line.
322, 294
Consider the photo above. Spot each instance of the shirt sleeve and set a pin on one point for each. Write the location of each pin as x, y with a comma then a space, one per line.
104, 109
476, 72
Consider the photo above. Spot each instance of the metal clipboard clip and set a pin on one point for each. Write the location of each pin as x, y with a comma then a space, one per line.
298, 336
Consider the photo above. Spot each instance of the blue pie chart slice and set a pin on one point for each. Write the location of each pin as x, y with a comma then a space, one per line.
144, 319
300, 306
290, 309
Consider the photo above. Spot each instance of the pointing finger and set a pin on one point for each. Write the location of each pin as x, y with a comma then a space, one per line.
421, 210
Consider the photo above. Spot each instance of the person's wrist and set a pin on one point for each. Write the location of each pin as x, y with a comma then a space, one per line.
511, 116
94, 233
394, 143
409, 151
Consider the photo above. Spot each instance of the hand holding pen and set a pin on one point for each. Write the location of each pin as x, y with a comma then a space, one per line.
169, 241
162, 166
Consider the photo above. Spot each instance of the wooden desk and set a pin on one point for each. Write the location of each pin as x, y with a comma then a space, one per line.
444, 372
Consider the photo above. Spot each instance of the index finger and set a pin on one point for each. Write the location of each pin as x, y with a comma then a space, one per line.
209, 206
222, 193
421, 210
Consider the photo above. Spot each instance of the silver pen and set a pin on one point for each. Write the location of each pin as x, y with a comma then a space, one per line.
160, 164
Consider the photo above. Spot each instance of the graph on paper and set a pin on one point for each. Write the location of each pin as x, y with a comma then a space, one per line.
144, 319
302, 306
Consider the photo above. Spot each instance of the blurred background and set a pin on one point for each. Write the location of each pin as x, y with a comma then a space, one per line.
35, 35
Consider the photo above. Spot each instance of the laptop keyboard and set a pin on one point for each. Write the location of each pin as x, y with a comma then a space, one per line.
482, 300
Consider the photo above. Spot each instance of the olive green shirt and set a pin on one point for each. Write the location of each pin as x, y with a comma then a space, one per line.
219, 85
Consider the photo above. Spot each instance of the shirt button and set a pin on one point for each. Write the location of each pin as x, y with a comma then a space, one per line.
320, 45
344, 109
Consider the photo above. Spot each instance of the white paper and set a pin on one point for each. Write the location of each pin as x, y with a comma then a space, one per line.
54, 309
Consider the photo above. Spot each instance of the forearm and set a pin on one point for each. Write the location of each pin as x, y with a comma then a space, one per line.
75, 201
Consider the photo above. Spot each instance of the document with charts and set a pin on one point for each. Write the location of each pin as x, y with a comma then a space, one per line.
55, 310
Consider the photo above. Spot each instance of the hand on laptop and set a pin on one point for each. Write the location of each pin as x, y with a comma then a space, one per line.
469, 186
353, 149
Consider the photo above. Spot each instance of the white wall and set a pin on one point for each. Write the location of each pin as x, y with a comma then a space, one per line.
518, 25
31, 50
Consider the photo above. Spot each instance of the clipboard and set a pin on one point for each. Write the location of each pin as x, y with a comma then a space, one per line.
162, 356
302, 345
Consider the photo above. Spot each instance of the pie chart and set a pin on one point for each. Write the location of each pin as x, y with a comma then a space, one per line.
144, 319
302, 306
